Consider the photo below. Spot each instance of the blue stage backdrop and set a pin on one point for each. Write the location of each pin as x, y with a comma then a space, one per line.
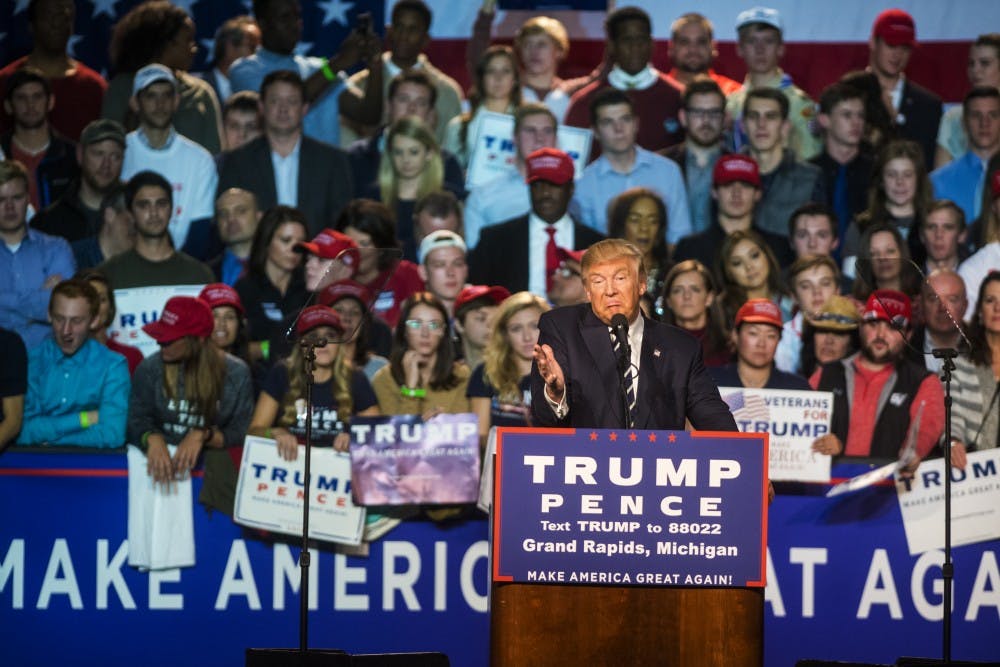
840, 582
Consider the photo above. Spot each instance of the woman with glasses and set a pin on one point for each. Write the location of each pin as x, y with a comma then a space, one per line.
339, 390
422, 377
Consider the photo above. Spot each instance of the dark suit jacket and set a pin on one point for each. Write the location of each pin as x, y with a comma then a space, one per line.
325, 183
919, 116
501, 256
673, 382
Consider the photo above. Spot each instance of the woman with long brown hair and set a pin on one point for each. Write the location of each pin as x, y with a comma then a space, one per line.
688, 302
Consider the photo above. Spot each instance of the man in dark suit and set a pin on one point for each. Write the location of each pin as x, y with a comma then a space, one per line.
575, 379
521, 254
286, 167
916, 111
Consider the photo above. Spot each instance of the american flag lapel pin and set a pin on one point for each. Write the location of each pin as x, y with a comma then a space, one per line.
656, 352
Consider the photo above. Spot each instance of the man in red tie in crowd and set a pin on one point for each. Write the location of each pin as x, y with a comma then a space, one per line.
522, 254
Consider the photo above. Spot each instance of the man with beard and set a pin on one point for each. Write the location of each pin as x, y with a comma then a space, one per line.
882, 402
153, 261
48, 156
76, 215
692, 50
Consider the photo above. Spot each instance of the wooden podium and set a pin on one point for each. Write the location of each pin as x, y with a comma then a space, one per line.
575, 624
553, 625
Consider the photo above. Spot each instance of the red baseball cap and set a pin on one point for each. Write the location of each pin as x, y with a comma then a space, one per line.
995, 184
221, 294
759, 311
317, 316
181, 316
888, 305
736, 167
342, 289
549, 164
331, 244
470, 293
895, 27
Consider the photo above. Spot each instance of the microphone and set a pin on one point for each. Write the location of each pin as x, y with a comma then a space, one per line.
619, 325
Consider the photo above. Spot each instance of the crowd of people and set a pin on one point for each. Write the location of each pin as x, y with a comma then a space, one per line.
826, 244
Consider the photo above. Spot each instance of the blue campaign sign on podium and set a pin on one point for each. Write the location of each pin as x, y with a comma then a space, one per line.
620, 507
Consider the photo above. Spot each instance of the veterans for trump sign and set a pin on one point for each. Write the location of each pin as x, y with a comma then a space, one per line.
793, 419
630, 507
271, 490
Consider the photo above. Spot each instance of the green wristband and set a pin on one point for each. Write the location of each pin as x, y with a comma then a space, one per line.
84, 419
265, 349
327, 72
413, 393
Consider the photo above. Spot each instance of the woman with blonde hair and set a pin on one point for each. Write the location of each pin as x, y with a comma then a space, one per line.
500, 387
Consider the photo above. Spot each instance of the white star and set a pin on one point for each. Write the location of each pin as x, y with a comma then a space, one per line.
335, 11
104, 7
21, 6
71, 46
303, 48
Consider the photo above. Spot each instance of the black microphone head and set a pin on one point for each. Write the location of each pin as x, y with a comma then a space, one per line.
619, 321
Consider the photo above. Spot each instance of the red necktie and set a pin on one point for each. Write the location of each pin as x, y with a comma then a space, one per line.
551, 256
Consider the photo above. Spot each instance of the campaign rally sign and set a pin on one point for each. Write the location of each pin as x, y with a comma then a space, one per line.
138, 306
404, 460
270, 492
664, 508
493, 152
794, 419
975, 502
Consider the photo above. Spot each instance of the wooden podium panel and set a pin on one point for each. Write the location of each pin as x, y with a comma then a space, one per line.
554, 625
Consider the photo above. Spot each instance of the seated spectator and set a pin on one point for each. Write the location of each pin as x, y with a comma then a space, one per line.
755, 336
703, 118
443, 266
411, 93
49, 157
746, 269
495, 88
499, 389
190, 396
629, 46
943, 234
622, 165
736, 189
983, 70
688, 302
115, 232
845, 160
236, 38
975, 389
325, 91
943, 301
153, 261
367, 340
786, 182
814, 280
566, 282
230, 334
812, 230
77, 89
224, 243
639, 216
408, 33
31, 263
13, 386
241, 119
884, 263
106, 317
880, 128
330, 256
761, 45
521, 254
76, 215
974, 269
692, 50
285, 166
161, 32
962, 179
273, 288
391, 280
156, 146
422, 377
475, 309
506, 196
830, 335
77, 389
339, 390
436, 211
863, 425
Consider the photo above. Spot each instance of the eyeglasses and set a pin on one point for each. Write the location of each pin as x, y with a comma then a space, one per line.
431, 325
706, 114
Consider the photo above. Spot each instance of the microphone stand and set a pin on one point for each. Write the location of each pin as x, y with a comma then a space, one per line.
947, 354
308, 365
623, 362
